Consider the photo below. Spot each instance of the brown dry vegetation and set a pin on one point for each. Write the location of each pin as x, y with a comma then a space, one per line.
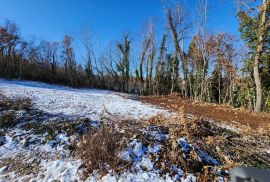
243, 147
219, 113
246, 146
230, 148
14, 104
8, 119
19, 166
99, 150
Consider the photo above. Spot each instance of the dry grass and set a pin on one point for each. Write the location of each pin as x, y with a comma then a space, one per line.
232, 148
14, 104
8, 119
19, 165
99, 150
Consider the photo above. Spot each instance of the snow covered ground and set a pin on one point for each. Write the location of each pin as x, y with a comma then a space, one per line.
32, 154
35, 158
90, 103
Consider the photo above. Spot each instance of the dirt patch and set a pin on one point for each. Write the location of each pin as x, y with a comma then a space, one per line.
221, 113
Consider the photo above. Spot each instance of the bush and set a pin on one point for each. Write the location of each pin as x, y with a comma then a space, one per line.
8, 119
38, 128
4, 101
16, 104
100, 149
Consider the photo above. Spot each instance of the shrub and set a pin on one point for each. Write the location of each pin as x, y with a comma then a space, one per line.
8, 119
41, 129
4, 101
16, 104
22, 104
100, 149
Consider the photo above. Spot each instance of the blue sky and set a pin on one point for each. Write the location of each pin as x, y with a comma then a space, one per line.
52, 19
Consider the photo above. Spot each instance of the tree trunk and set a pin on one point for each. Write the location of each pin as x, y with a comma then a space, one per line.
176, 51
257, 58
258, 84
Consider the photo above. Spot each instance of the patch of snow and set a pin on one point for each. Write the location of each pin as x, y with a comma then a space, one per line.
229, 127
154, 149
146, 162
189, 178
183, 144
220, 179
2, 169
63, 138
25, 147
137, 148
152, 176
203, 156
125, 155
179, 173
61, 170
90, 103
155, 132
53, 157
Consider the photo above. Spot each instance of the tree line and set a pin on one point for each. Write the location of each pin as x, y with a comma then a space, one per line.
200, 66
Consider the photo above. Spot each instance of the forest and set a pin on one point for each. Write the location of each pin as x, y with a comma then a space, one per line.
187, 60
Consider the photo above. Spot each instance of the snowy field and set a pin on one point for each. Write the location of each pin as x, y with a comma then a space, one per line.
50, 160
89, 103
38, 147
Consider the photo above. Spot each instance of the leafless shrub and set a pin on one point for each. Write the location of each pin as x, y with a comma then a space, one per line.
99, 150
4, 101
14, 104
8, 119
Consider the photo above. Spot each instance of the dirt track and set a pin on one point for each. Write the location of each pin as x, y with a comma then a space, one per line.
220, 113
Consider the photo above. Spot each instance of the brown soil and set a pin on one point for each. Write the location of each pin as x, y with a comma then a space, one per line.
221, 113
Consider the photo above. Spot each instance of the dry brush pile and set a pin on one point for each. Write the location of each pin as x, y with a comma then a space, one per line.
195, 145
100, 149
238, 145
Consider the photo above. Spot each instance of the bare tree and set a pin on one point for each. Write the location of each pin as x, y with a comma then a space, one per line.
68, 57
9, 40
200, 26
160, 72
89, 55
123, 65
50, 56
175, 63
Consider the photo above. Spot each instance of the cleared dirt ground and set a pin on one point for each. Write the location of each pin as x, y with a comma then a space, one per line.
220, 113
